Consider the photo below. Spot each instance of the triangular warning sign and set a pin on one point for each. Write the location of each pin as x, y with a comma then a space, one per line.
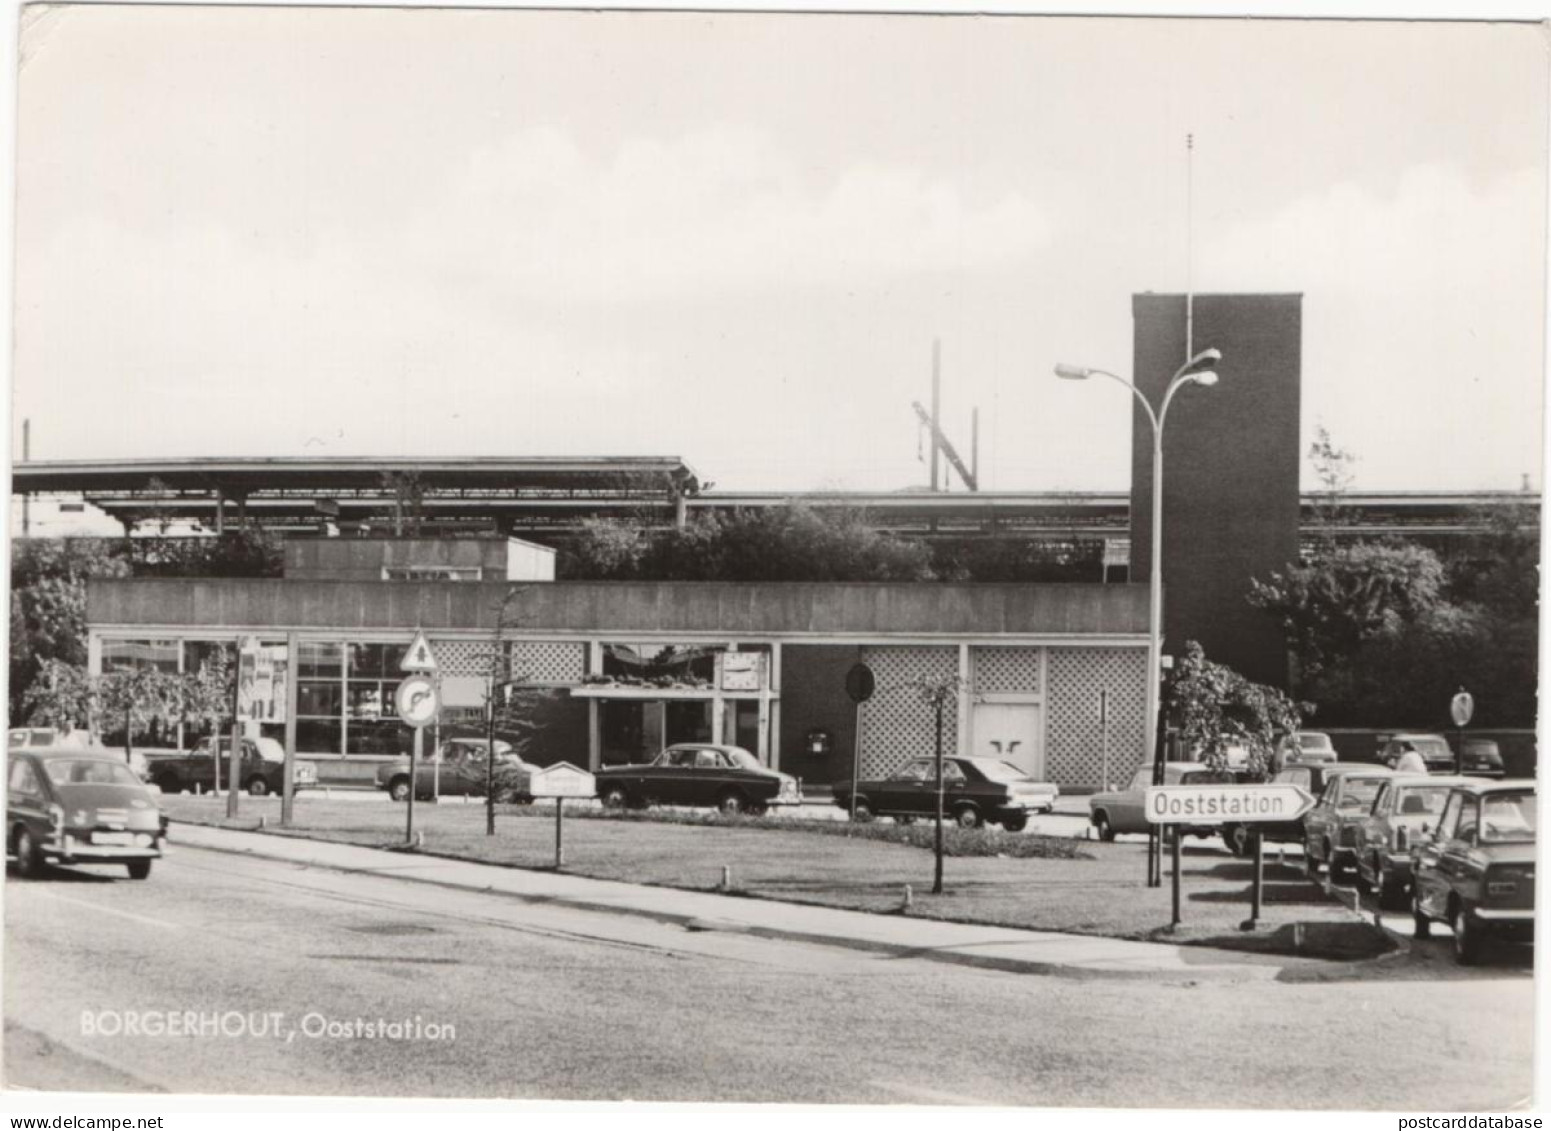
419, 657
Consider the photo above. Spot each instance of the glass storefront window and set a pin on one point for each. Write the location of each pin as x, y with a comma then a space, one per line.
319, 659
119, 655
375, 660
648, 661
319, 736
382, 737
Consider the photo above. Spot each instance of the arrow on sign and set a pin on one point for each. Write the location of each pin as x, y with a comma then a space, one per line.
419, 657
1211, 804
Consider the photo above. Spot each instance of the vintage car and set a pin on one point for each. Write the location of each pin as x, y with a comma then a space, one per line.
1330, 828
260, 772
1238, 837
80, 807
1433, 748
698, 774
457, 768
975, 790
1304, 748
1476, 872
1122, 810
1405, 809
1481, 758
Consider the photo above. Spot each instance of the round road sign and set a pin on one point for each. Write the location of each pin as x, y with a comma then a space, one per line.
860, 683
417, 700
1461, 707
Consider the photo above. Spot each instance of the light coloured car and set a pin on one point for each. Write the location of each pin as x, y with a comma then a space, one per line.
1123, 810
1305, 748
1406, 809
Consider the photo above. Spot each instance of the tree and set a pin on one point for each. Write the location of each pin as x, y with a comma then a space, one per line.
1329, 606
1213, 707
62, 696
139, 698
1333, 469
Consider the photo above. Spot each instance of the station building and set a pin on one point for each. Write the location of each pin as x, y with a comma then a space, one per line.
1052, 677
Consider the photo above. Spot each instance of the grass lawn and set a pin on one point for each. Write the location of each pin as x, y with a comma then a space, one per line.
1079, 886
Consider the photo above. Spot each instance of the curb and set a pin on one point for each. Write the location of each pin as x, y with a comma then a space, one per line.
1246, 972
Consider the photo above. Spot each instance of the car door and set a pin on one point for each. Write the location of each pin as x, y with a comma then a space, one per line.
1454, 870
911, 790
1426, 878
27, 798
1126, 815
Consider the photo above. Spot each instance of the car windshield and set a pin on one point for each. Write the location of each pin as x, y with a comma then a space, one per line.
1417, 801
1358, 793
88, 771
742, 758
995, 770
1431, 747
1314, 741
1508, 817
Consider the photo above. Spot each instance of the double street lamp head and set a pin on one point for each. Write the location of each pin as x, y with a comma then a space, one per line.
1198, 370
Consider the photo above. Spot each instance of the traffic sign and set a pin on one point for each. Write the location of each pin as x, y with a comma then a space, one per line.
419, 657
562, 780
860, 683
1462, 707
1211, 804
417, 700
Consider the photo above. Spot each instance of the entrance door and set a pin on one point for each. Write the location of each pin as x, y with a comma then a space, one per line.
1012, 733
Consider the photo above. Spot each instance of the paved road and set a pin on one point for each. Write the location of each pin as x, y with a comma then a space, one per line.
546, 1001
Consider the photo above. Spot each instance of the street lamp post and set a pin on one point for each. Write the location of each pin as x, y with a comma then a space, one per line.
1196, 371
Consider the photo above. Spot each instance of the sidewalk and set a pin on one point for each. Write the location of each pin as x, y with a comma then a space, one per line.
1001, 948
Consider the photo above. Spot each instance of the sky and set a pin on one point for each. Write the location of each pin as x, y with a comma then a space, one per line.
733, 238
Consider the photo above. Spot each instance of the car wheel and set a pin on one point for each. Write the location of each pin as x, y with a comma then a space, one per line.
139, 869
1015, 824
1391, 892
257, 787
730, 804
1102, 826
861, 812
29, 860
1467, 936
1423, 925
614, 797
966, 817
398, 789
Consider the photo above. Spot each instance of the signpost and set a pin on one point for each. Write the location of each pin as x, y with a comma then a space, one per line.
1461, 708
860, 684
418, 703
560, 781
1250, 804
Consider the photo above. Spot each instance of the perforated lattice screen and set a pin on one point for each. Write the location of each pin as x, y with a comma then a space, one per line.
896, 725
1003, 670
462, 657
532, 661
1073, 739
548, 661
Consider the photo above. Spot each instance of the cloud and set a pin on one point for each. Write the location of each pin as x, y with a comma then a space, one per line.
703, 213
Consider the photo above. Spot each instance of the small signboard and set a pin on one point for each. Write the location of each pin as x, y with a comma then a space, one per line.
1214, 804
562, 780
417, 701
860, 683
1462, 707
419, 657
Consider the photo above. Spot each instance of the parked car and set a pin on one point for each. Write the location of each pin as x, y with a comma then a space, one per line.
261, 769
1476, 871
41, 738
1238, 836
1330, 828
1433, 748
975, 790
1481, 758
701, 774
80, 806
1405, 809
1122, 810
456, 768
1304, 748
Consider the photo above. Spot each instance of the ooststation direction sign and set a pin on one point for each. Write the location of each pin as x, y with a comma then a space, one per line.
1212, 804
562, 780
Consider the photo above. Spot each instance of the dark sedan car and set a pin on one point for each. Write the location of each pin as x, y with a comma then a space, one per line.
1239, 837
80, 807
699, 774
974, 790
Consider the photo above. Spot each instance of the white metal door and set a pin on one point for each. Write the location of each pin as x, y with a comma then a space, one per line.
1011, 732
